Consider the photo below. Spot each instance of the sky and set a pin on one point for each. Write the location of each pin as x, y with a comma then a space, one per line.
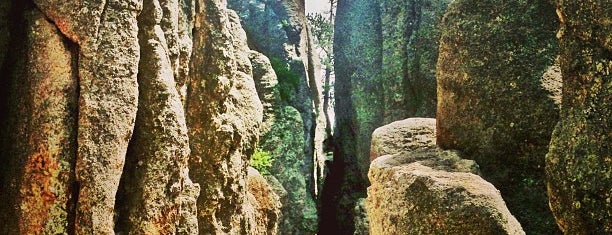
314, 6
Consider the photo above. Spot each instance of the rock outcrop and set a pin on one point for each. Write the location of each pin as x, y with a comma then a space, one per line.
223, 116
385, 53
99, 132
492, 104
155, 180
279, 30
426, 190
579, 163
266, 204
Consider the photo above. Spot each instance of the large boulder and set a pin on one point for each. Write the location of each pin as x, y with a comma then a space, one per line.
493, 103
426, 190
417, 199
403, 136
579, 163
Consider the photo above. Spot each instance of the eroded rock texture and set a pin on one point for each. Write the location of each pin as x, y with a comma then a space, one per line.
266, 204
426, 190
155, 179
286, 82
579, 164
85, 77
223, 117
42, 121
385, 53
492, 103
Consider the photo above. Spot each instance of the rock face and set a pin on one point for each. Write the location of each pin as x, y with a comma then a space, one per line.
265, 202
399, 38
426, 190
279, 30
155, 180
42, 117
578, 164
223, 117
492, 104
99, 133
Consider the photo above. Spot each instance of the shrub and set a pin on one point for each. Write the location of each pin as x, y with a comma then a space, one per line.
262, 161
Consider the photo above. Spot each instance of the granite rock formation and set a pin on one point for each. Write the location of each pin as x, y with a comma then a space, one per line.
492, 101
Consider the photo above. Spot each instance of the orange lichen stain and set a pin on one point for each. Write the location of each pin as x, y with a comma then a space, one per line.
165, 222
67, 30
37, 197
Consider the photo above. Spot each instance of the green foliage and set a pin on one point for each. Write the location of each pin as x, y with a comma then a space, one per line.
322, 29
287, 80
262, 161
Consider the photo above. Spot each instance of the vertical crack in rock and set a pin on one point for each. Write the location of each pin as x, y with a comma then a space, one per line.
108, 65
155, 183
223, 116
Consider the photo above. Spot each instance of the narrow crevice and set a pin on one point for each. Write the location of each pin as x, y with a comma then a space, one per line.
75, 187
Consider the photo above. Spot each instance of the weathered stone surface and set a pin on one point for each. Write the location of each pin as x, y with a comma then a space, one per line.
223, 117
106, 33
42, 123
155, 180
284, 142
266, 83
416, 199
491, 101
418, 188
404, 136
266, 203
185, 46
579, 163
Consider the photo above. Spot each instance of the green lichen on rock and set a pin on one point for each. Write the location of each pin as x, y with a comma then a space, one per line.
410, 36
491, 103
579, 163
285, 143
